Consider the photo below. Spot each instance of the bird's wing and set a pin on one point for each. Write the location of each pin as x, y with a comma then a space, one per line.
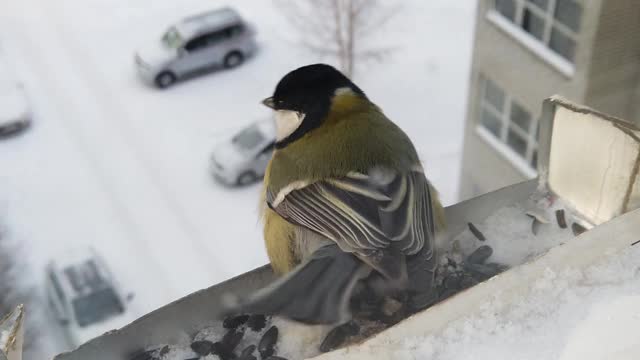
378, 216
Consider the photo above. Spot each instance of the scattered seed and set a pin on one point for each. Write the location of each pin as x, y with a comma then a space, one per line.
480, 255
474, 230
231, 339
223, 353
577, 229
234, 321
202, 348
562, 222
338, 335
248, 350
257, 322
268, 341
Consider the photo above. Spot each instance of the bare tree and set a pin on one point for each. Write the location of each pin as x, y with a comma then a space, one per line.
341, 29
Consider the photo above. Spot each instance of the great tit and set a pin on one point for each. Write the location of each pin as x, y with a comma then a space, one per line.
346, 203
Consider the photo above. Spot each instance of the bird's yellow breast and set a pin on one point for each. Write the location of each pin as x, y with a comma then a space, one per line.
278, 234
278, 239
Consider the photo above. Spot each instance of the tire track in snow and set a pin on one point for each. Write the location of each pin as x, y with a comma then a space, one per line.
109, 105
120, 210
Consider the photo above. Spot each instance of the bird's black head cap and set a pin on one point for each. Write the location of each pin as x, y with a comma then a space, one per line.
309, 90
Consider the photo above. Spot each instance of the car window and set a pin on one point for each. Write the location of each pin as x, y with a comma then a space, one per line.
249, 138
97, 306
234, 30
207, 40
217, 36
197, 43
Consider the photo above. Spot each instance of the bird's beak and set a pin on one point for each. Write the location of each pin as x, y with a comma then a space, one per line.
268, 102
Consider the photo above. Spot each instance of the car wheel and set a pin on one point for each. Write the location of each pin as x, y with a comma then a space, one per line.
233, 59
165, 79
247, 178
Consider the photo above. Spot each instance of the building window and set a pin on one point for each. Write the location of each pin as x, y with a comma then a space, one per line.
554, 23
508, 122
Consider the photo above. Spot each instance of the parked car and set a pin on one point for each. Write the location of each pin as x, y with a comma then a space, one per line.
219, 38
84, 297
243, 158
15, 114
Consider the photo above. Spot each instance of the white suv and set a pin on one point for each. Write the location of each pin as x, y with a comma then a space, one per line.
196, 44
84, 296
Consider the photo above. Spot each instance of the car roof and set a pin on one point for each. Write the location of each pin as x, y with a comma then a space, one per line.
208, 21
80, 272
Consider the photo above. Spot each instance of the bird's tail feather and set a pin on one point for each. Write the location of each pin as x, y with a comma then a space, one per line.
315, 292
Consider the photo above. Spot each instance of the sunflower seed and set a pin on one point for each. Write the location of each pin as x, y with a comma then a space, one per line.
480, 255
234, 321
202, 348
577, 229
257, 322
231, 339
474, 230
562, 222
248, 350
268, 342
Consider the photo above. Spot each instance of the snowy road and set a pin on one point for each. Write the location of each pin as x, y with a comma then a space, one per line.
112, 163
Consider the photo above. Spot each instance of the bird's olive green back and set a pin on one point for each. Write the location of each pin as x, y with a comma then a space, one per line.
355, 137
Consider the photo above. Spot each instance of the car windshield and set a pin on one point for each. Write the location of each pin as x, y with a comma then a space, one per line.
97, 306
172, 38
249, 138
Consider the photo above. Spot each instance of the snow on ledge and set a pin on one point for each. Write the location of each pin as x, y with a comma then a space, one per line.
460, 327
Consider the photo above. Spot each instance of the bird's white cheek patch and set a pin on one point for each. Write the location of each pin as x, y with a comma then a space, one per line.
287, 122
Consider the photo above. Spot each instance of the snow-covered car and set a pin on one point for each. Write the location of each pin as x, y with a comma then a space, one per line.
15, 114
84, 297
243, 158
205, 41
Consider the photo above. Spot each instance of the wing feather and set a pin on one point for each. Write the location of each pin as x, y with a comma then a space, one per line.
367, 214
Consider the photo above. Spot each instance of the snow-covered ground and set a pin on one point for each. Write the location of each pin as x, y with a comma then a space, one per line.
114, 164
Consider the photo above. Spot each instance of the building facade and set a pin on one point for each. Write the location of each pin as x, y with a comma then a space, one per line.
527, 50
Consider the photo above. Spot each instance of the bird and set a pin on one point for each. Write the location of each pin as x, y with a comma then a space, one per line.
345, 204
